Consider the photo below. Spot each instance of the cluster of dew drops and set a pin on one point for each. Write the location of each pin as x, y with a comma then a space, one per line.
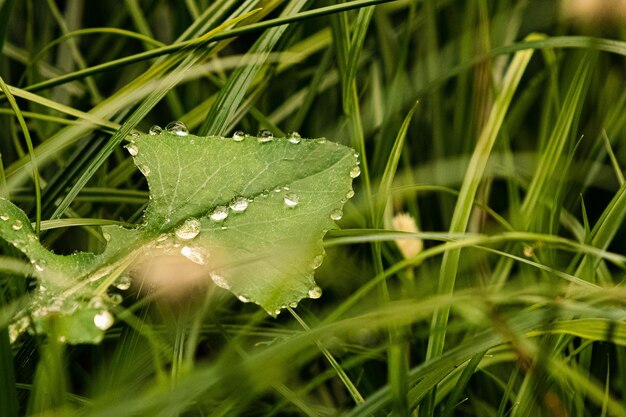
240, 204
192, 227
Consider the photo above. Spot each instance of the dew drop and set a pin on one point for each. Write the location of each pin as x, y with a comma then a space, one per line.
278, 189
178, 128
317, 261
291, 200
116, 298
336, 214
286, 187
4, 217
195, 255
134, 136
155, 130
132, 149
145, 170
355, 172
239, 135
293, 304
103, 320
106, 236
96, 302
277, 312
350, 194
265, 136
294, 137
321, 140
239, 204
189, 229
265, 193
243, 299
219, 213
220, 281
40, 265
17, 225
315, 292
122, 282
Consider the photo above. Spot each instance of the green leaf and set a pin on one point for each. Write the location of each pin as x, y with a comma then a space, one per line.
250, 214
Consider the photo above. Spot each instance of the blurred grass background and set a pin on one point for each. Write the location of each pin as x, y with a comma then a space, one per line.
499, 294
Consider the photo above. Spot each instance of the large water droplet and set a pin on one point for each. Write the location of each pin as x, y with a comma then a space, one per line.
189, 229
355, 172
155, 130
17, 225
177, 128
219, 213
4, 217
195, 255
239, 135
315, 292
265, 136
243, 299
294, 137
219, 280
317, 261
122, 282
350, 194
336, 214
132, 149
239, 204
291, 200
144, 169
103, 320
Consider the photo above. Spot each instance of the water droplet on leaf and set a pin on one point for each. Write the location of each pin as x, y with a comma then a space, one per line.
265, 136
336, 214
103, 320
291, 200
239, 204
350, 194
189, 229
17, 225
317, 261
40, 265
155, 130
219, 213
195, 255
220, 281
315, 292
106, 236
239, 135
132, 149
243, 299
116, 298
145, 170
355, 172
4, 217
177, 128
122, 282
294, 137
293, 304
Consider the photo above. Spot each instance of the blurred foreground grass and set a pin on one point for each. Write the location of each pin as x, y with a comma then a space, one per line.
510, 301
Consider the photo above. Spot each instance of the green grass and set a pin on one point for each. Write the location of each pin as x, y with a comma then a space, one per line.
509, 163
